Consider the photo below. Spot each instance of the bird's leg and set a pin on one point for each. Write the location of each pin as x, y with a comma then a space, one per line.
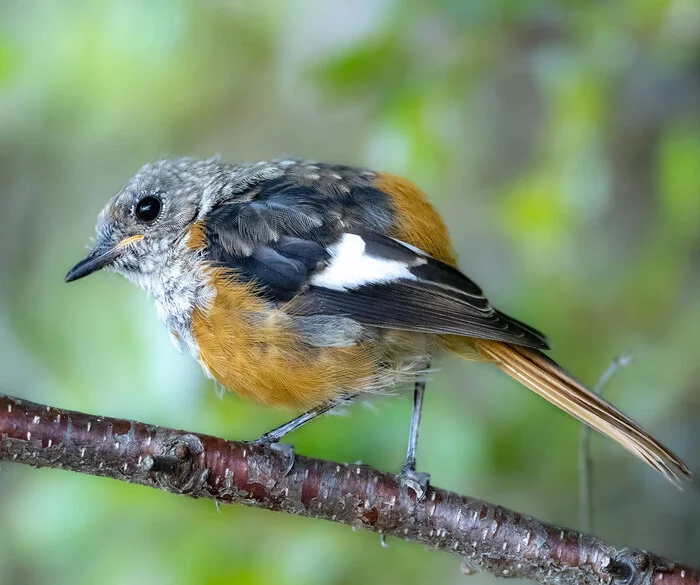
271, 438
417, 481
276, 434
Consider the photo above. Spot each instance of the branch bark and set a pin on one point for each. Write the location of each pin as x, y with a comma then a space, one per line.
486, 537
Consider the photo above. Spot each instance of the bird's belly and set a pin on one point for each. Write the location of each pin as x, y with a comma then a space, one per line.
250, 349
286, 374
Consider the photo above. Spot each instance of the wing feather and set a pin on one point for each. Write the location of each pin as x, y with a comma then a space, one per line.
296, 248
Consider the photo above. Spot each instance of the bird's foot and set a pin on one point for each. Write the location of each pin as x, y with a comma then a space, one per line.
284, 449
414, 480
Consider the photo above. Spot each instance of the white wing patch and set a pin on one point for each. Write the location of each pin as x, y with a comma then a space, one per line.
350, 267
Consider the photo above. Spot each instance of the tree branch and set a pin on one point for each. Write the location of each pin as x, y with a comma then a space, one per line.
486, 537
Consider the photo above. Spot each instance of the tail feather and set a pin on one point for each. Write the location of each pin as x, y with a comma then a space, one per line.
543, 376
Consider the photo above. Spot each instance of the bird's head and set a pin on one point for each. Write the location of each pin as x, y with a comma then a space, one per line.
140, 227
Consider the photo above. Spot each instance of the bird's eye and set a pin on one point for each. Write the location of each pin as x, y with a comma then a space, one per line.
148, 208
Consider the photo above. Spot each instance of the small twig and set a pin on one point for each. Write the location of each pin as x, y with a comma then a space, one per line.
585, 463
486, 537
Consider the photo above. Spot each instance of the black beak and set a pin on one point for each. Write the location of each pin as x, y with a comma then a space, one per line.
94, 261
98, 259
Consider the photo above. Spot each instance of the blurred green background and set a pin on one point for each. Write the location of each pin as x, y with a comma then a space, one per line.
560, 140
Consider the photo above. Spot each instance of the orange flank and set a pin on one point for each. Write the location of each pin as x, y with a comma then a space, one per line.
417, 222
420, 225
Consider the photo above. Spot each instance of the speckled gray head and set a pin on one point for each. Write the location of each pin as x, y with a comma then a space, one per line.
139, 229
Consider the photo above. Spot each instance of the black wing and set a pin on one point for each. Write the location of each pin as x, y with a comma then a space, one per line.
295, 244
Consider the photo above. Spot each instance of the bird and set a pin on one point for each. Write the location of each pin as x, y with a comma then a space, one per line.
308, 286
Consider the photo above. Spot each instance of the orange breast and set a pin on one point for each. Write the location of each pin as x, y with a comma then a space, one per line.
250, 349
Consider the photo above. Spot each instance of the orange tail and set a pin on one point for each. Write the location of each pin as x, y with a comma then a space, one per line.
543, 376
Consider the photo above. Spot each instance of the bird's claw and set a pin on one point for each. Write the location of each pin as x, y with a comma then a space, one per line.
415, 480
284, 449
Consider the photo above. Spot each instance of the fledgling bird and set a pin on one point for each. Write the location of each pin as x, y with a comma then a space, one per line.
307, 285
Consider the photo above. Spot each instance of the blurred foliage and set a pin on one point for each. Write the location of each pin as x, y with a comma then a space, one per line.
560, 139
